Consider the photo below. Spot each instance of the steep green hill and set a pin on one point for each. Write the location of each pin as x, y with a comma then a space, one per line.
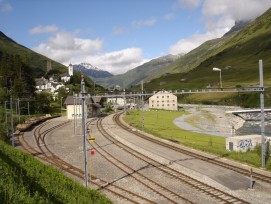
237, 55
36, 61
209, 48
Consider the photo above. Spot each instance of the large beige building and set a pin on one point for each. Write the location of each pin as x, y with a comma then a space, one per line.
163, 100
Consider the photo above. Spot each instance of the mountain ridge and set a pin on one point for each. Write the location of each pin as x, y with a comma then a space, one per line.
91, 71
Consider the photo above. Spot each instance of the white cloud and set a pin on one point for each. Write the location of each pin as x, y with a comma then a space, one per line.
185, 45
190, 4
43, 29
237, 9
5, 7
65, 48
218, 17
168, 16
141, 23
116, 62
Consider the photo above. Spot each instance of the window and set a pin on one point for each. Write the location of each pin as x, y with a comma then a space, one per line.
167, 104
157, 96
173, 100
162, 104
157, 101
162, 96
167, 96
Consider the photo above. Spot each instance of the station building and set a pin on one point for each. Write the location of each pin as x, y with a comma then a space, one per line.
74, 106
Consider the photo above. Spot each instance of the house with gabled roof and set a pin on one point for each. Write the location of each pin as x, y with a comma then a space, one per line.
74, 106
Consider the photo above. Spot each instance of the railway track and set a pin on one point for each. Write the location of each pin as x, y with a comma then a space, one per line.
243, 171
154, 186
215, 193
45, 154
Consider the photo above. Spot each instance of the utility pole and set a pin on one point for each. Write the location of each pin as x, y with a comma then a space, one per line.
142, 98
262, 112
61, 106
28, 108
11, 120
94, 87
83, 97
76, 113
124, 102
6, 119
73, 115
19, 112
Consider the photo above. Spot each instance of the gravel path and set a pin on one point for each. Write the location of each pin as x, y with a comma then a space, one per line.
211, 120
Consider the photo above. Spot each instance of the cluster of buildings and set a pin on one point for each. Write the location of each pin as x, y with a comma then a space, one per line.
160, 100
51, 85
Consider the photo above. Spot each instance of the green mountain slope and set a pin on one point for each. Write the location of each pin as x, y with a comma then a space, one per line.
36, 61
237, 55
134, 76
192, 59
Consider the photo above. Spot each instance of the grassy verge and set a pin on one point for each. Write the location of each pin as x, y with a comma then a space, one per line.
160, 123
23, 179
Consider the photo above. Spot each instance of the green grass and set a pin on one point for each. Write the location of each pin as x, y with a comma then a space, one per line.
160, 123
24, 179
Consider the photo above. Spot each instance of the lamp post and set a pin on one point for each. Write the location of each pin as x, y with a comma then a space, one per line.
218, 70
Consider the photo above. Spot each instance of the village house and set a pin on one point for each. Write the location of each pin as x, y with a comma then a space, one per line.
50, 85
41, 84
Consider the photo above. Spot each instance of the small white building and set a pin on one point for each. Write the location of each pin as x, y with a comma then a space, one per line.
74, 107
163, 100
243, 143
119, 101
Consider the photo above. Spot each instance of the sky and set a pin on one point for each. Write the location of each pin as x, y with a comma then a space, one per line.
119, 35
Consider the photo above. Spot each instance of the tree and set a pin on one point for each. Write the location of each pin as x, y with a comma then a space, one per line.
42, 103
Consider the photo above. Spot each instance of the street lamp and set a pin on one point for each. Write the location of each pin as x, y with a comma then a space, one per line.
218, 70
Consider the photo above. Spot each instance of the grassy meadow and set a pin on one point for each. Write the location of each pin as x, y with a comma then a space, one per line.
160, 123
